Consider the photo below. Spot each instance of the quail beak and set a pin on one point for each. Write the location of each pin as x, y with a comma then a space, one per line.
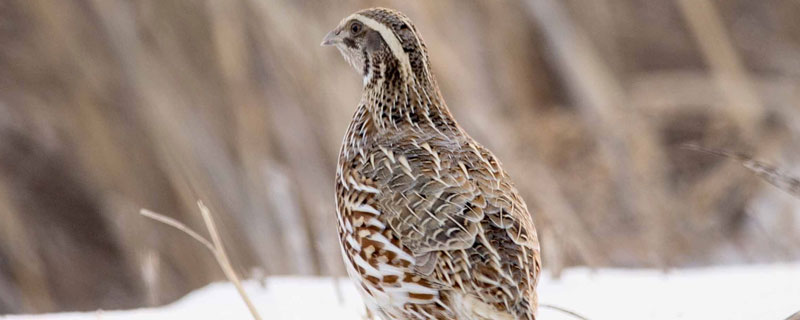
331, 38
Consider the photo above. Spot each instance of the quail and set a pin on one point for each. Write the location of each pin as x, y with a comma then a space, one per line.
430, 225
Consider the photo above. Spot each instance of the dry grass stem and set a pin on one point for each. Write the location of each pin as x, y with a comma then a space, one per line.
560, 309
216, 248
768, 172
222, 258
715, 43
177, 225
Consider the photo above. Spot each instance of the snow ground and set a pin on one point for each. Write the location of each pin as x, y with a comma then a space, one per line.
743, 292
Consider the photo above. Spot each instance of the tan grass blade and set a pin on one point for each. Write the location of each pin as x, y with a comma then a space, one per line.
215, 246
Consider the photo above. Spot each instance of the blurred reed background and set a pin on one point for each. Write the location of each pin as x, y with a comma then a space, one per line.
108, 106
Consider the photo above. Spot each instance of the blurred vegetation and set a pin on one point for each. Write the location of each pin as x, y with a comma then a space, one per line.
107, 106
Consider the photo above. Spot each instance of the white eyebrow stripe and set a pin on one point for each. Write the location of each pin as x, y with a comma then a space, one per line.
390, 38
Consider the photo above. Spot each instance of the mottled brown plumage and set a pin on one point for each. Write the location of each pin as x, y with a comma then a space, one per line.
430, 224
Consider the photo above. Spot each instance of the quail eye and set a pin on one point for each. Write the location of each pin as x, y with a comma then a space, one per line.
355, 27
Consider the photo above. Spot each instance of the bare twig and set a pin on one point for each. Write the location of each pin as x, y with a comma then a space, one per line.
215, 246
769, 173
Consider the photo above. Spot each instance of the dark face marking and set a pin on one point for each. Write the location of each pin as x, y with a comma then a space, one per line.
374, 41
366, 62
349, 42
355, 31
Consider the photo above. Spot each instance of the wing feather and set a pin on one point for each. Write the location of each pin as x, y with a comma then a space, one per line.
458, 213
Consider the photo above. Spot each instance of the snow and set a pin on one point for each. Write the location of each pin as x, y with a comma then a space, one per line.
741, 292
